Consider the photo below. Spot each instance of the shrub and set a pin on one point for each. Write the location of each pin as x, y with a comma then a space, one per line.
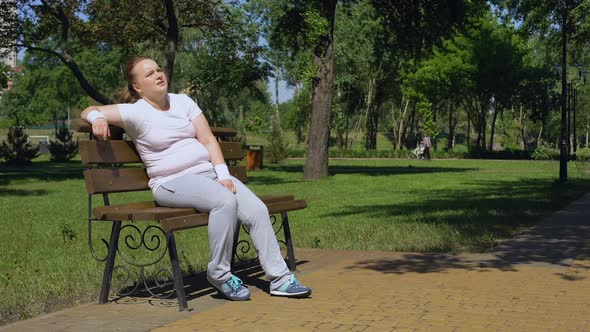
63, 148
583, 154
18, 151
545, 152
458, 151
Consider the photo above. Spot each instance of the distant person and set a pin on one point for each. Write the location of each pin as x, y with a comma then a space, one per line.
427, 145
186, 169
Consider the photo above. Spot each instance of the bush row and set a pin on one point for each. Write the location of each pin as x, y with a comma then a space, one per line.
543, 152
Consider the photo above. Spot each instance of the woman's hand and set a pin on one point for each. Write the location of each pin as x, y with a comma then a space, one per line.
228, 184
100, 129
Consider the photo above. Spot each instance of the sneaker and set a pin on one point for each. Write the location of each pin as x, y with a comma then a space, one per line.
292, 288
233, 289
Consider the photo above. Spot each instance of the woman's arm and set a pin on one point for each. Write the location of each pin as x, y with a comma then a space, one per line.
108, 114
206, 137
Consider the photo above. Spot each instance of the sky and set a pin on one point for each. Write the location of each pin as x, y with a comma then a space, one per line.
285, 92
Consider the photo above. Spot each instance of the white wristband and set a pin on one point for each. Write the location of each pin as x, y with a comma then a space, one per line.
93, 115
222, 172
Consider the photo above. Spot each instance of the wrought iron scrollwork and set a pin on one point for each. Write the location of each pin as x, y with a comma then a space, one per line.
244, 245
132, 240
151, 240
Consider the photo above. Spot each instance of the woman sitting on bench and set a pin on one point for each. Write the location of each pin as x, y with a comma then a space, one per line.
186, 169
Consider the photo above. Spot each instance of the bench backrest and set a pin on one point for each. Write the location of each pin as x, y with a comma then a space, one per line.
114, 165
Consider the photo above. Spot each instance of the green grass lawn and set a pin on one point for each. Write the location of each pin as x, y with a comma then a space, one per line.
402, 205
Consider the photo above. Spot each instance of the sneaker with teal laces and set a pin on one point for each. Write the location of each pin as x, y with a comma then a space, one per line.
292, 288
233, 289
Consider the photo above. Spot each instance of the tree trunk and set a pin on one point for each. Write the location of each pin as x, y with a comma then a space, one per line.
401, 130
316, 164
277, 112
451, 140
539, 136
393, 131
563, 133
171, 40
493, 130
468, 130
521, 120
299, 115
370, 123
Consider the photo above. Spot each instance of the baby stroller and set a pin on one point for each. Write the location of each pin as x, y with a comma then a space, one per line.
418, 152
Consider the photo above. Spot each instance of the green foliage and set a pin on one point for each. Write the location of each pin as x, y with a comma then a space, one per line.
427, 124
257, 119
5, 74
545, 152
18, 151
276, 151
64, 147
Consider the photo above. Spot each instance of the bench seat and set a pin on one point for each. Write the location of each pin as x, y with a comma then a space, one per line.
173, 219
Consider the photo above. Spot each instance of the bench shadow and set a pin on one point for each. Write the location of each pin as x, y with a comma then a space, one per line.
554, 241
196, 286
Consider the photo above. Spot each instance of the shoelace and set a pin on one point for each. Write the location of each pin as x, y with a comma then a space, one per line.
235, 283
294, 281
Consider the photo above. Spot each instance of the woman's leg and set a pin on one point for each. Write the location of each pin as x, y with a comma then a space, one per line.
204, 193
254, 216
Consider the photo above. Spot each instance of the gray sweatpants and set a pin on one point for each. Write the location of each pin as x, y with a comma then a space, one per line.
203, 192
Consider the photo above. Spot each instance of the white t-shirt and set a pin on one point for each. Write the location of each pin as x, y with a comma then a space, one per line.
166, 140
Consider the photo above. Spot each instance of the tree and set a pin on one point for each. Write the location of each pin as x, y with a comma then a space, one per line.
557, 17
18, 150
63, 29
63, 148
45, 90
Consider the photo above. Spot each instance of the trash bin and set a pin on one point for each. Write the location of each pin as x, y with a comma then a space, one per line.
254, 156
43, 147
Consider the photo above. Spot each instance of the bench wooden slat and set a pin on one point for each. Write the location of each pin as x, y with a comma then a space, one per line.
114, 180
286, 206
275, 198
83, 126
239, 172
108, 152
183, 218
107, 180
143, 211
231, 150
185, 222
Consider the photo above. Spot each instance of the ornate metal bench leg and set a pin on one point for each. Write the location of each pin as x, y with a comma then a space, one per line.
176, 272
235, 247
110, 262
289, 241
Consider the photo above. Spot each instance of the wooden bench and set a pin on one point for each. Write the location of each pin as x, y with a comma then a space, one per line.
107, 172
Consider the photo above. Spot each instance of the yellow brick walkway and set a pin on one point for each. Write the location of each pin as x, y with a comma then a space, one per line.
375, 292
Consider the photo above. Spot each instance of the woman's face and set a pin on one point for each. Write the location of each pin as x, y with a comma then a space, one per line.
149, 78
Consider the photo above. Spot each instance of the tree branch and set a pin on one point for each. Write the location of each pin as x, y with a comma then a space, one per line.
73, 67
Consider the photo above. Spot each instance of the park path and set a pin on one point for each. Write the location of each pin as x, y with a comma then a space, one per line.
539, 281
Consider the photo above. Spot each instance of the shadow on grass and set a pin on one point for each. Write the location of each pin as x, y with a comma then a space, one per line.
497, 209
21, 192
376, 170
8, 175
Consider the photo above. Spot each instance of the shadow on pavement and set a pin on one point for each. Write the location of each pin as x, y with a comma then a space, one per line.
196, 286
556, 241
